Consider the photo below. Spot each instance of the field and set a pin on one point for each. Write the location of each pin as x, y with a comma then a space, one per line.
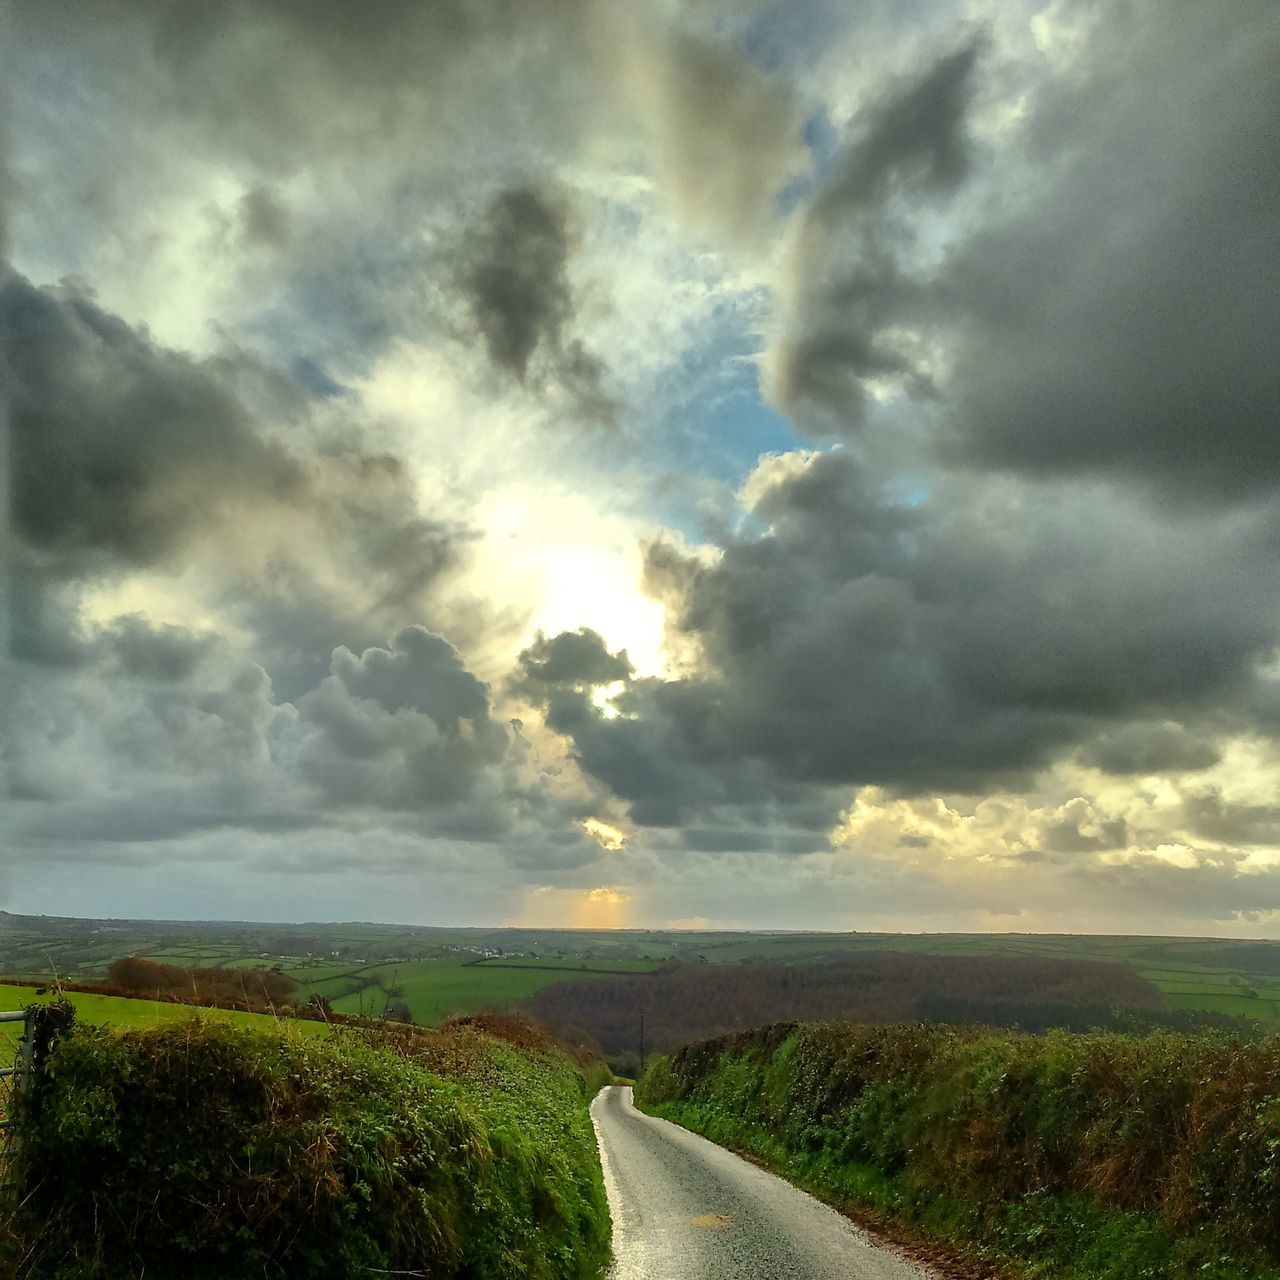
434, 989
435, 972
125, 1014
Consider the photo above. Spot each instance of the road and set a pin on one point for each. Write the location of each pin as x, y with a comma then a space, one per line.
686, 1209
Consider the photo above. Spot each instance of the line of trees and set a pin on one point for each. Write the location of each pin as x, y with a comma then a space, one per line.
255, 989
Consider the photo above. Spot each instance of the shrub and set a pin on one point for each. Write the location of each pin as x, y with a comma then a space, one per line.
201, 1150
1005, 1139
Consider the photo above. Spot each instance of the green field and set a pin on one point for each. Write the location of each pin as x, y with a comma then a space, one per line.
362, 968
123, 1013
435, 989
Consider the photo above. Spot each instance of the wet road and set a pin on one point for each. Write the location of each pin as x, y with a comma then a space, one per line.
686, 1209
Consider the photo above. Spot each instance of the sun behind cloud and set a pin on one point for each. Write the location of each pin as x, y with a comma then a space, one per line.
610, 838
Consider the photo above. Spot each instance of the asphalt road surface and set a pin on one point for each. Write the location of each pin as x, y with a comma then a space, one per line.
686, 1209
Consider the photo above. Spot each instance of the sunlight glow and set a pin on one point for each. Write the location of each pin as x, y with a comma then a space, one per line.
551, 907
609, 838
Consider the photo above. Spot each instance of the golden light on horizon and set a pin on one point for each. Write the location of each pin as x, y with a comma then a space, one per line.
603, 907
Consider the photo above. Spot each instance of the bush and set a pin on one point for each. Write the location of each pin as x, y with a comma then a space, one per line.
203, 1151
1063, 1149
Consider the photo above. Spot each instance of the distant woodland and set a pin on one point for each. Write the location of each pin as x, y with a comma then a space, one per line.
248, 988
688, 1002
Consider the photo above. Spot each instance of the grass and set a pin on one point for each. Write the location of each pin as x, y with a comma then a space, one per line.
214, 1152
1098, 1157
123, 1013
434, 989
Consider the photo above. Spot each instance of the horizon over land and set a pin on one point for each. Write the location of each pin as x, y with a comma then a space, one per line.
361, 967
631, 928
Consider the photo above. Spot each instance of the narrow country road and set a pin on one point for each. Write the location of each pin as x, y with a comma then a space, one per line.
686, 1209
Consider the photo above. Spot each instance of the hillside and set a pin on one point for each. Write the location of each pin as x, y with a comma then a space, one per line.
207, 1151
1069, 1157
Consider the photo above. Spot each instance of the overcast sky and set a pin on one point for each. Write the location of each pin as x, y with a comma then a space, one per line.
797, 464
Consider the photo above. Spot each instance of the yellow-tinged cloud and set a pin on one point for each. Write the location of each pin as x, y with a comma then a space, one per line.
608, 837
604, 907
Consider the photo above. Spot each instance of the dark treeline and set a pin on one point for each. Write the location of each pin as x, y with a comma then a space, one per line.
684, 1003
249, 988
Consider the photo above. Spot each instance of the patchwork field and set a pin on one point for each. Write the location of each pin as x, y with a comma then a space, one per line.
366, 968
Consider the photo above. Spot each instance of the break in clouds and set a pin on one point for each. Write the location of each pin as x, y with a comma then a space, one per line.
769, 464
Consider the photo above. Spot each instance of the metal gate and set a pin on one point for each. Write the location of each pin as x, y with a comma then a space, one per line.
21, 1067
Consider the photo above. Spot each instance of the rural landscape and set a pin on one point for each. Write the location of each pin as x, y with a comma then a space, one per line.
639, 640
1040, 1074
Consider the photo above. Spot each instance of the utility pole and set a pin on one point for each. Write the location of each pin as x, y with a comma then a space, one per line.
642, 1040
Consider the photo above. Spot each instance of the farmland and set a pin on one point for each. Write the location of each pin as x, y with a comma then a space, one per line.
434, 972
433, 989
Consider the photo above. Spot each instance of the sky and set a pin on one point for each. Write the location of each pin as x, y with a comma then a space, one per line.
711, 464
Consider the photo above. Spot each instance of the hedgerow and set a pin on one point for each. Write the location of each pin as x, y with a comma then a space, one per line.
206, 1152
1064, 1155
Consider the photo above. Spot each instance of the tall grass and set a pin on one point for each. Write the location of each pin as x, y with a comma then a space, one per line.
203, 1151
1066, 1155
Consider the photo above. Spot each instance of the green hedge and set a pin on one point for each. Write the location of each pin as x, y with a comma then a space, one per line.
1070, 1156
205, 1151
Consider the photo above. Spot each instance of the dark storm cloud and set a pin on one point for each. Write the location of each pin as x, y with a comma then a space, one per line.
517, 283
670, 755
1124, 317
573, 658
1116, 310
127, 455
850, 275
959, 644
405, 727
1211, 817
514, 283
161, 733
120, 448
1150, 748
159, 652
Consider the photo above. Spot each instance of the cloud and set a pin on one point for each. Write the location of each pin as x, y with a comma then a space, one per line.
130, 458
1121, 317
404, 728
514, 280
161, 734
1088, 290
725, 135
1145, 747
119, 447
289, 546
575, 659
962, 642
852, 288
1211, 816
